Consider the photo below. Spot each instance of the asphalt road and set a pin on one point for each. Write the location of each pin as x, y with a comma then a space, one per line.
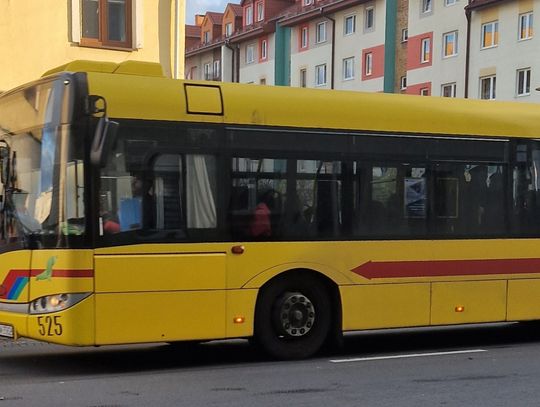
496, 365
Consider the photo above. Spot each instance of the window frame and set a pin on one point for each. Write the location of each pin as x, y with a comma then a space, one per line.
248, 15
452, 86
446, 36
526, 89
404, 35
304, 30
259, 9
349, 29
103, 22
321, 68
425, 50
250, 51
369, 18
303, 78
348, 68
403, 82
494, 37
492, 87
368, 64
529, 26
426, 6
320, 32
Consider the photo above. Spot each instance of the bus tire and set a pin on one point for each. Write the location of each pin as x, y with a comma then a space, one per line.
293, 316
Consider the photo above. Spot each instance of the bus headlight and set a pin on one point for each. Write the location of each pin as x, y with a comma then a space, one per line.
55, 303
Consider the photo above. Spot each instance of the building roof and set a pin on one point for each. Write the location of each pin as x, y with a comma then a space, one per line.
193, 30
214, 17
476, 4
236, 8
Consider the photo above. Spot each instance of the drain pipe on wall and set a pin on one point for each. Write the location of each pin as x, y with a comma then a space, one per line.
333, 53
467, 51
233, 61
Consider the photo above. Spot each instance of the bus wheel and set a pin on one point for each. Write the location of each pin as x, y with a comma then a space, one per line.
292, 318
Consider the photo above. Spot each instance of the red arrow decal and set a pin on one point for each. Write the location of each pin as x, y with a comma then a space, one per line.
443, 268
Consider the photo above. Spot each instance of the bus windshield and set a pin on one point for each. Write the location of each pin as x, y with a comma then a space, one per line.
41, 167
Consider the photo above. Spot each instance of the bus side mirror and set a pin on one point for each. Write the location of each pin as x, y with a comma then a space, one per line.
103, 142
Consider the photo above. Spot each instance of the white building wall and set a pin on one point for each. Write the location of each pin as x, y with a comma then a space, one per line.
509, 55
351, 45
441, 20
258, 71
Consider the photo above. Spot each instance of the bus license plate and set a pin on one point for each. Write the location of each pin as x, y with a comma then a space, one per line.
6, 331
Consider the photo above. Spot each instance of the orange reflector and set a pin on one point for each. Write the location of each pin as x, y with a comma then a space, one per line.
239, 320
238, 249
460, 308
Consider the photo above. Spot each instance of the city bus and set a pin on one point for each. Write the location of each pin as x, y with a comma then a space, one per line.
135, 208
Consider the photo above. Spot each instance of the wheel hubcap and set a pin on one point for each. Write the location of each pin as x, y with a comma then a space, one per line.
296, 314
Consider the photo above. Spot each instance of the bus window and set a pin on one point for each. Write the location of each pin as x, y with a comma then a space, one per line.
319, 194
526, 189
468, 199
258, 192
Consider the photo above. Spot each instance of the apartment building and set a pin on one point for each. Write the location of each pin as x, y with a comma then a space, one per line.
504, 60
481, 49
436, 48
37, 36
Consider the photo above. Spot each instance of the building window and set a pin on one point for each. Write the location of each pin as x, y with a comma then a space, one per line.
427, 6
425, 50
262, 81
207, 72
228, 29
206, 37
449, 2
490, 34
217, 69
250, 54
403, 82
304, 37
263, 50
450, 44
368, 64
487, 87
320, 34
260, 11
348, 69
424, 92
404, 35
369, 18
350, 25
448, 90
526, 26
303, 77
524, 82
248, 15
106, 23
308, 2
320, 75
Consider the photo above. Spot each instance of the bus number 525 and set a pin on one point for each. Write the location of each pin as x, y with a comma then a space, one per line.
50, 326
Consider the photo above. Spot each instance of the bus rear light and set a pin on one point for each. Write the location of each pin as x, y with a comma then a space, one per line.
460, 308
55, 303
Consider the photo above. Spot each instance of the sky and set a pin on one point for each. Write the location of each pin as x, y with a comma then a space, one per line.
202, 6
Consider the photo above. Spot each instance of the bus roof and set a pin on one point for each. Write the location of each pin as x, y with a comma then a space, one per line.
157, 98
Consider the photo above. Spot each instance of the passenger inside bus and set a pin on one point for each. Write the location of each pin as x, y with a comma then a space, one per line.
261, 222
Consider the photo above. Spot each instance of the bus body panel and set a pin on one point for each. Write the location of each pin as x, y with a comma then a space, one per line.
14, 276
523, 299
125, 317
73, 326
61, 271
385, 306
468, 302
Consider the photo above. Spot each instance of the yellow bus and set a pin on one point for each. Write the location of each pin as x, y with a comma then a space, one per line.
136, 209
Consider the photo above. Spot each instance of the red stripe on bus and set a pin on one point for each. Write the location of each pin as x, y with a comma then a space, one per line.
66, 273
443, 268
